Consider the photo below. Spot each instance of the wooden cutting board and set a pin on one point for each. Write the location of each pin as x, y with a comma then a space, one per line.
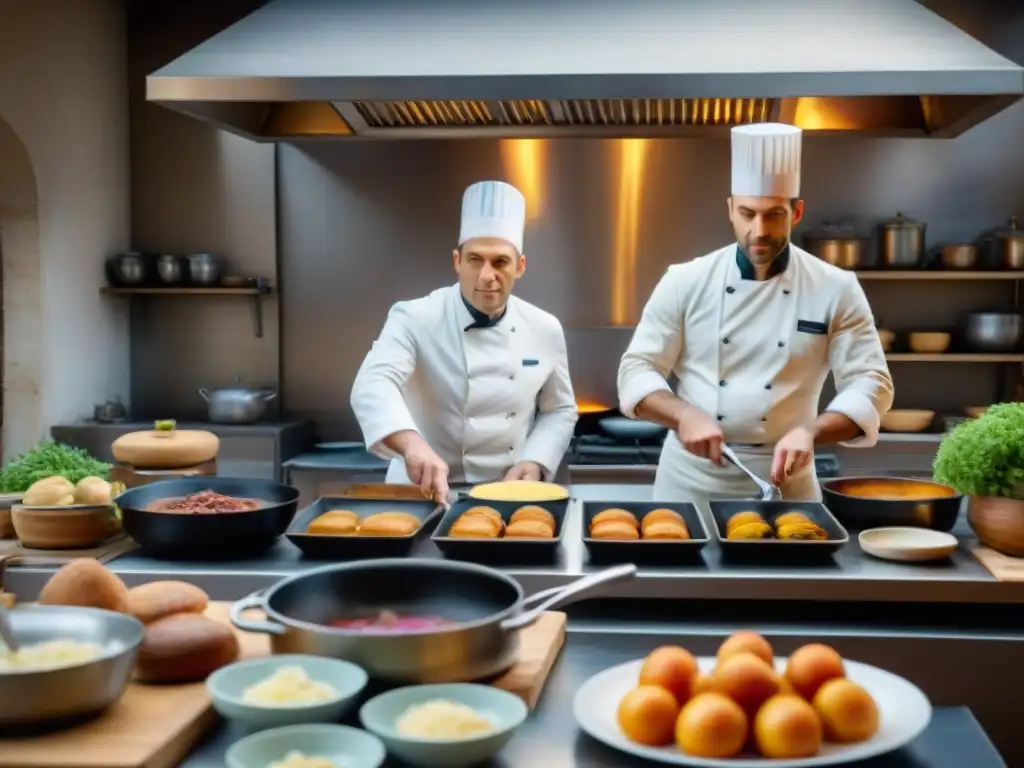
1003, 567
156, 726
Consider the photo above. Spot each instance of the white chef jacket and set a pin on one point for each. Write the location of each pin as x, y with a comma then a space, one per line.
755, 355
483, 398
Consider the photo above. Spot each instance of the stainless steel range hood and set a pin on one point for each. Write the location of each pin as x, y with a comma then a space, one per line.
410, 69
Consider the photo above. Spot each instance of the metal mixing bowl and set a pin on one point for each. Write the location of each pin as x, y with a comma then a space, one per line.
994, 331
35, 698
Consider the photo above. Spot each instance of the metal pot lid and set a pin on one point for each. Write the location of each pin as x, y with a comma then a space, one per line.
1012, 232
902, 222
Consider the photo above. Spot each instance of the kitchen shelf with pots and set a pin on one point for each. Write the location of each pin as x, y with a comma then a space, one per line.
934, 274
252, 288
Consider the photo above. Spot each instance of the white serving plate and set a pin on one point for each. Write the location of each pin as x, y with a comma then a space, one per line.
904, 714
907, 545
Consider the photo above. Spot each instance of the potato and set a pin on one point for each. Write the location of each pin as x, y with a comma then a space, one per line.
49, 492
88, 584
92, 490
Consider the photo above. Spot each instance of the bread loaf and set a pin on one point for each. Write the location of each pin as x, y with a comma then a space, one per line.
87, 584
184, 648
149, 602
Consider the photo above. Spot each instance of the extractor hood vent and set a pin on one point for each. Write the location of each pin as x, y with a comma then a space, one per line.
586, 112
412, 69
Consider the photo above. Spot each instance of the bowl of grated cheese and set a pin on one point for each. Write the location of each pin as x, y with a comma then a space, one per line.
444, 726
315, 745
286, 689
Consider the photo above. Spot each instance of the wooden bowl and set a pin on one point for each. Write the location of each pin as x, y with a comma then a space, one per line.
929, 343
974, 411
907, 421
887, 338
998, 523
75, 527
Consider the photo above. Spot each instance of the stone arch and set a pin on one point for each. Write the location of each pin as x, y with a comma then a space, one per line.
21, 309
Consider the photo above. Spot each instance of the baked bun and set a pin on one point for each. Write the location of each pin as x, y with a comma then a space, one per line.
529, 529
336, 522
657, 515
533, 512
389, 524
666, 529
152, 601
613, 514
614, 530
489, 512
474, 527
184, 648
85, 583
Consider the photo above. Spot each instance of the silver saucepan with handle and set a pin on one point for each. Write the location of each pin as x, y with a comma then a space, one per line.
469, 616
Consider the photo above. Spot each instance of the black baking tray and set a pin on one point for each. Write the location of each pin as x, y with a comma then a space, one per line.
500, 550
722, 510
657, 552
357, 547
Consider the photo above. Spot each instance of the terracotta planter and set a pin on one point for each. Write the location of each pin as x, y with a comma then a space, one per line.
998, 523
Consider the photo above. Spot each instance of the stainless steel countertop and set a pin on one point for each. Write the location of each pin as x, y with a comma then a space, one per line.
852, 576
551, 738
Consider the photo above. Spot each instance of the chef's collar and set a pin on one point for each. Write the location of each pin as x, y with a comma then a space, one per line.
481, 320
778, 265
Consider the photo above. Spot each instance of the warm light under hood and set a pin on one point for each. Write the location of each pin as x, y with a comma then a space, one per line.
393, 69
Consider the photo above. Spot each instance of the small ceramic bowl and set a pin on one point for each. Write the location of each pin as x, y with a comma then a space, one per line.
227, 685
907, 545
506, 710
345, 746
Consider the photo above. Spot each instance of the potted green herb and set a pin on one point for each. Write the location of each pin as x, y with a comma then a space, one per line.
983, 458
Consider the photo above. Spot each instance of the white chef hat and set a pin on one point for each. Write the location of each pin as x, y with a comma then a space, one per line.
766, 160
493, 209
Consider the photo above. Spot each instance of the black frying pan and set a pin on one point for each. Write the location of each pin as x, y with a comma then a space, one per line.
224, 536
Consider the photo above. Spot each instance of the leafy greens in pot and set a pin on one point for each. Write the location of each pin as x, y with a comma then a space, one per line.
47, 459
985, 456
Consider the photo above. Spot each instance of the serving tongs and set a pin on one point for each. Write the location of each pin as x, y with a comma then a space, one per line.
769, 492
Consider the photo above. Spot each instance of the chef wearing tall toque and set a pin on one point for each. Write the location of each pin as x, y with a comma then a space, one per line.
751, 332
470, 384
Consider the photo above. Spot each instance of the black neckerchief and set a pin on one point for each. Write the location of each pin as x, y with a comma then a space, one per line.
778, 265
480, 320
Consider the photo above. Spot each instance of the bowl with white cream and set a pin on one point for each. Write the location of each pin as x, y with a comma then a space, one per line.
444, 726
286, 689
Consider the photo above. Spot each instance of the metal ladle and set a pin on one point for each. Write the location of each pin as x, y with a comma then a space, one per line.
769, 492
7, 631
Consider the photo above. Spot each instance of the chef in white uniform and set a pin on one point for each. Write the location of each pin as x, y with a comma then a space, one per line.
470, 384
751, 332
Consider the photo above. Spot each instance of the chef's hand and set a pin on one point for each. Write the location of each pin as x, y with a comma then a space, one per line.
427, 470
525, 470
792, 453
700, 434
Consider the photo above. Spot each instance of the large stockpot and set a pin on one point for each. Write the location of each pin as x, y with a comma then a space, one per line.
488, 608
30, 699
838, 246
902, 242
860, 503
1008, 246
237, 404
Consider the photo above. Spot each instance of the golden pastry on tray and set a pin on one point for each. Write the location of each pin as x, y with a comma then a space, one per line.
529, 529
614, 530
336, 522
474, 527
665, 530
389, 524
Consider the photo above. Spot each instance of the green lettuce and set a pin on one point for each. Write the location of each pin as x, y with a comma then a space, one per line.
985, 456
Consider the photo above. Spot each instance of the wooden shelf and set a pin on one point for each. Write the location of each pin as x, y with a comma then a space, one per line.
955, 358
923, 274
256, 295
186, 291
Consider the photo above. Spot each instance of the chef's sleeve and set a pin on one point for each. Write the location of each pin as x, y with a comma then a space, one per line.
656, 346
552, 430
377, 400
864, 388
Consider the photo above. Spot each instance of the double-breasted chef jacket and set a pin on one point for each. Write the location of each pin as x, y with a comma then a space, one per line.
755, 355
484, 395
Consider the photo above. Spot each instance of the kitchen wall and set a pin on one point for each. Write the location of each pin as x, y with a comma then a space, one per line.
362, 225
195, 189
63, 208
